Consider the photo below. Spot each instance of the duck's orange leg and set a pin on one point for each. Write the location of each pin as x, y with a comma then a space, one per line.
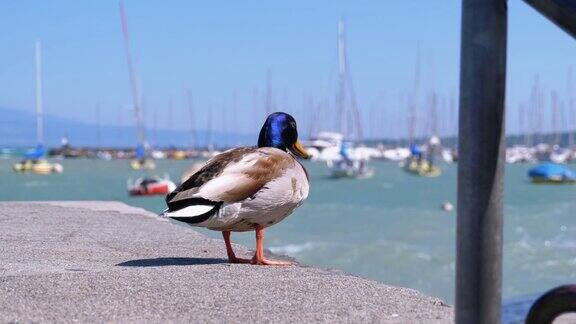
231, 256
259, 255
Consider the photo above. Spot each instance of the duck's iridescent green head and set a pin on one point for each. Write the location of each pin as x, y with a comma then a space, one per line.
280, 131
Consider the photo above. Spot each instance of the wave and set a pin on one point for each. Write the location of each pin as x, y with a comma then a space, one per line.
291, 249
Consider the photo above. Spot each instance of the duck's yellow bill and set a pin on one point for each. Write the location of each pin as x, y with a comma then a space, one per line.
299, 150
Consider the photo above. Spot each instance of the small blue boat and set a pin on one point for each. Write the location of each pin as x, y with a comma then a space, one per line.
552, 173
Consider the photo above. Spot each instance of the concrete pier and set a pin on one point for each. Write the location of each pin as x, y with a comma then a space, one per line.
109, 262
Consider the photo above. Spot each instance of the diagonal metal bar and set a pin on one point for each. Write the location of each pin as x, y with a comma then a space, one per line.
560, 12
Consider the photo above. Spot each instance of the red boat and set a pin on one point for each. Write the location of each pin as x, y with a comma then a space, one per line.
150, 186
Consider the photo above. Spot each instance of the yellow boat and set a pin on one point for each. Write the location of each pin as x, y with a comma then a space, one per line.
178, 155
38, 167
146, 164
422, 168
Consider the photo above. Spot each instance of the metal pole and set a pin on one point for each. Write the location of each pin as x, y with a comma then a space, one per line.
480, 169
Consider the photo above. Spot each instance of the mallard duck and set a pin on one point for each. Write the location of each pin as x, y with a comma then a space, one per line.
246, 188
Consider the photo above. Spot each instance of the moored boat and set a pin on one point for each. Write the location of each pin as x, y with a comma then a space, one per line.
356, 170
34, 160
420, 165
552, 173
422, 168
142, 161
150, 186
142, 164
350, 163
37, 166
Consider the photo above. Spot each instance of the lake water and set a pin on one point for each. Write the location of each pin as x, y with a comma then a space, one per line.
389, 228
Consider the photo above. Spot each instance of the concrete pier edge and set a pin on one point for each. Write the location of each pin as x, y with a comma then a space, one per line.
94, 261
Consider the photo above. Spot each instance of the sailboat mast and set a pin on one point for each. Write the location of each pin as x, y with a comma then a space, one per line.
235, 109
209, 133
340, 101
454, 120
372, 126
132, 73
434, 113
555, 126
533, 114
521, 121
414, 101
170, 119
98, 130
350, 119
155, 126
357, 115
269, 104
39, 107
191, 114
570, 113
540, 113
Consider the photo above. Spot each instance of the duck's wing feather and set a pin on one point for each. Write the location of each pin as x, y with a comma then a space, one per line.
229, 177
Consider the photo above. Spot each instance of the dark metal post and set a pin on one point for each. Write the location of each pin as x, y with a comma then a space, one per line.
480, 168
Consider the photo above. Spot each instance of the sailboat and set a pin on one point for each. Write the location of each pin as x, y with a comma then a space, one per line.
141, 160
421, 159
421, 162
34, 160
558, 154
146, 185
349, 162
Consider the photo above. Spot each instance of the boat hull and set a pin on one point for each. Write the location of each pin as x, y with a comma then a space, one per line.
542, 180
142, 165
352, 174
423, 170
152, 190
39, 167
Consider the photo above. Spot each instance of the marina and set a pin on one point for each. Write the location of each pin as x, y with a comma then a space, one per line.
386, 228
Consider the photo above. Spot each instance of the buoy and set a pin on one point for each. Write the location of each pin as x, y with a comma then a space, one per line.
447, 206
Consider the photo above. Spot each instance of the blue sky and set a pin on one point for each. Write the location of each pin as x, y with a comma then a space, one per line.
223, 49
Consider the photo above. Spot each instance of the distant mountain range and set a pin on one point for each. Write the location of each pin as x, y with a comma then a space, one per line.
18, 129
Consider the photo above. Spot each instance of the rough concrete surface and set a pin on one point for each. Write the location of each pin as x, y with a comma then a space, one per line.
109, 262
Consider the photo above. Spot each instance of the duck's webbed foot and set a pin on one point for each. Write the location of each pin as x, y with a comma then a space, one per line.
264, 261
234, 259
259, 258
231, 256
